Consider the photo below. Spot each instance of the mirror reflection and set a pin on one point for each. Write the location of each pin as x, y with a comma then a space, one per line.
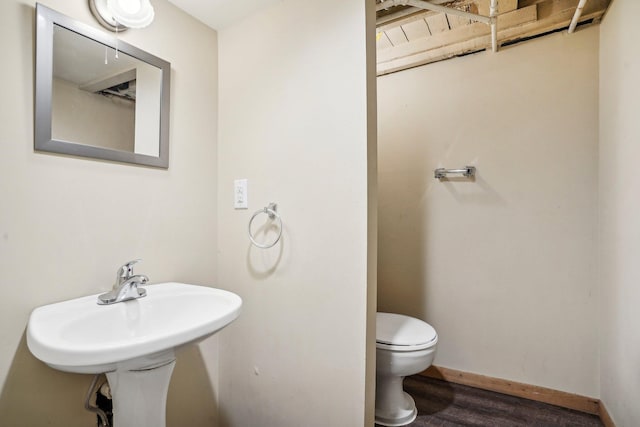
103, 97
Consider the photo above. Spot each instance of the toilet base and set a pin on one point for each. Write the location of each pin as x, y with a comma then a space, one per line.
403, 414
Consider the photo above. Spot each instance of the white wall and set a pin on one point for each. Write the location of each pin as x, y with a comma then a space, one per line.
67, 223
148, 82
294, 122
620, 211
504, 267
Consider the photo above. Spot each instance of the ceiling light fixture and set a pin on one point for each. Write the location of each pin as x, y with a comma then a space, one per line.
118, 15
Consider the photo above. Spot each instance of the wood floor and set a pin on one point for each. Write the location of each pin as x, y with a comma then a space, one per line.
445, 404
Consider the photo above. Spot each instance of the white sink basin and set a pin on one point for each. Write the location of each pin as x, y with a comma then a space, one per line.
81, 336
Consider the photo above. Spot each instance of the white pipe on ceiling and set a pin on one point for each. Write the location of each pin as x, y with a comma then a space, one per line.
577, 15
493, 12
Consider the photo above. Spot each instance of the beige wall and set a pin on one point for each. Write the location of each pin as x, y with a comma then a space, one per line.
504, 267
294, 122
74, 112
67, 223
620, 211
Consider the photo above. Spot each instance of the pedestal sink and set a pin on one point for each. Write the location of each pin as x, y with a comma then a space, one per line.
133, 342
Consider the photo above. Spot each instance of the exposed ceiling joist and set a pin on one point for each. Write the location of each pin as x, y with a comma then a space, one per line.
428, 5
423, 36
393, 13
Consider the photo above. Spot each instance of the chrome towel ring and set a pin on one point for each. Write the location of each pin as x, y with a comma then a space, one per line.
271, 211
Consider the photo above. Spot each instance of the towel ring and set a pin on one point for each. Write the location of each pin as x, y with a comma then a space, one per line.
271, 212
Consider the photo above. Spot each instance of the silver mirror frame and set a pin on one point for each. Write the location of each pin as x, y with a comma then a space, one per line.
45, 20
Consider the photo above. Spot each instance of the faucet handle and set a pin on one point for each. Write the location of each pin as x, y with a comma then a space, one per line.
126, 271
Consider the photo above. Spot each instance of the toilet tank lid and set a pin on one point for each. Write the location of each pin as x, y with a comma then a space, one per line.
397, 329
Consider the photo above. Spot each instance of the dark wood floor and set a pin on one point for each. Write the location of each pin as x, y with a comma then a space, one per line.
445, 404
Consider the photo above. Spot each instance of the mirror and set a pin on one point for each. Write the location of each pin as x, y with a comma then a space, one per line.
97, 96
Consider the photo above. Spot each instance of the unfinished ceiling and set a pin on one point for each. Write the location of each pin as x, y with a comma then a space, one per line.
418, 32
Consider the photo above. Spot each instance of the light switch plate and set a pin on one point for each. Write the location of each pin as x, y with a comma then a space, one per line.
240, 195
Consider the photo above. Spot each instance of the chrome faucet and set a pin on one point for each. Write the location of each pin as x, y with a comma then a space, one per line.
126, 286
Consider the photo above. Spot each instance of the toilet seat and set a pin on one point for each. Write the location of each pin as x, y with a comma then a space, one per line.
397, 332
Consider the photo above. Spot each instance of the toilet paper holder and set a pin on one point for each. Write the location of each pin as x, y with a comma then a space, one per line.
467, 172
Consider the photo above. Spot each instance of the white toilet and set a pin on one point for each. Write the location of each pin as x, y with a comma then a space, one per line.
404, 346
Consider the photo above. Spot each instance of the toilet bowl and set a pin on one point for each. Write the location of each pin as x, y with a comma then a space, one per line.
404, 346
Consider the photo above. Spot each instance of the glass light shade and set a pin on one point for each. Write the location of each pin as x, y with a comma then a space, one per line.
104, 16
131, 13
130, 7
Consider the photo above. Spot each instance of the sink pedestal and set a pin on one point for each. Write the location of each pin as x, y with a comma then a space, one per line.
139, 391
